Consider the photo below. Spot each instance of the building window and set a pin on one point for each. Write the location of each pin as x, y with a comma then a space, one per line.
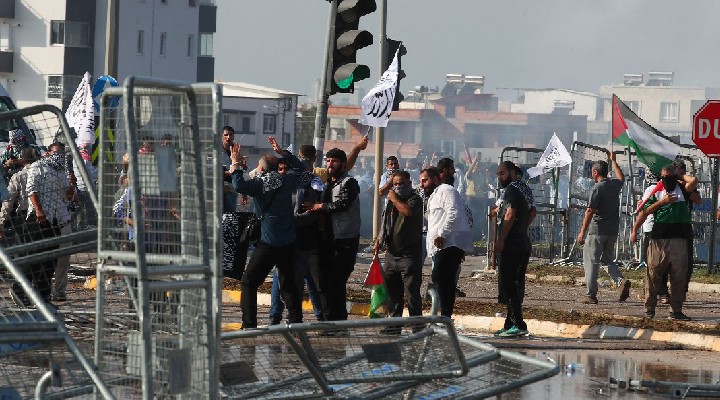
268, 124
163, 43
634, 106
447, 147
140, 42
668, 112
192, 3
449, 110
190, 43
68, 33
242, 121
62, 86
206, 44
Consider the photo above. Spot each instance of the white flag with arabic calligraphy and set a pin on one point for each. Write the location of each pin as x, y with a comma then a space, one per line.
377, 104
555, 156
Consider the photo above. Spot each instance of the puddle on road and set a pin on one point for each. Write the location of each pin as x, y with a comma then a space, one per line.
587, 373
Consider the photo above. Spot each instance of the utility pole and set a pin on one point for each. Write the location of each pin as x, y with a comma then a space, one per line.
111, 39
380, 132
324, 95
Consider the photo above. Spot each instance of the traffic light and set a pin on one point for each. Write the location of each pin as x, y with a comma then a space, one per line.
348, 40
392, 46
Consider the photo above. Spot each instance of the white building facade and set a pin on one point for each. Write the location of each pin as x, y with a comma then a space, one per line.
258, 112
47, 46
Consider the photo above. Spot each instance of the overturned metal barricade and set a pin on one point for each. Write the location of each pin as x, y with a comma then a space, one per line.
158, 281
415, 357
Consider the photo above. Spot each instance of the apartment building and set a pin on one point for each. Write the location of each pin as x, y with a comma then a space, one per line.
47, 46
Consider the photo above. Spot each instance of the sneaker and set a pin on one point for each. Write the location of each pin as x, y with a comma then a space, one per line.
650, 313
275, 320
499, 332
459, 293
588, 300
664, 299
679, 316
514, 331
624, 290
391, 330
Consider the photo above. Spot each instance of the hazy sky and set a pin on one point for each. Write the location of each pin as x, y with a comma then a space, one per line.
570, 44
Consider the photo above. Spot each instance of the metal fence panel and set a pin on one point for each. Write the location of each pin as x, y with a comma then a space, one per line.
158, 282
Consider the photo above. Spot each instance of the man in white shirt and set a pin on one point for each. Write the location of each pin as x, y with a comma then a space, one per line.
448, 235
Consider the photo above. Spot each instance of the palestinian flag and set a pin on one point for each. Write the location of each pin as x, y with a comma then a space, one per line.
379, 295
652, 147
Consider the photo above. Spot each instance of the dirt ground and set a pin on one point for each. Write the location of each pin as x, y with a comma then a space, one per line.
558, 301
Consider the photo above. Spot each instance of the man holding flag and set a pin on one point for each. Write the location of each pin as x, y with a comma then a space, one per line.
401, 235
667, 249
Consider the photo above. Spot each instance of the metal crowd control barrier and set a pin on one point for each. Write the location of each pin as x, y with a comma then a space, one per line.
158, 278
546, 230
424, 358
38, 355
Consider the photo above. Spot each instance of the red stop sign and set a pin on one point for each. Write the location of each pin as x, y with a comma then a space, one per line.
706, 128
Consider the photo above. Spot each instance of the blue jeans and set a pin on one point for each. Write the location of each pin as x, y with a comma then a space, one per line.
302, 277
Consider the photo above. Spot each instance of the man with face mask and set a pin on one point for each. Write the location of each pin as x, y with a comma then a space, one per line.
513, 245
602, 218
667, 248
402, 237
448, 234
49, 189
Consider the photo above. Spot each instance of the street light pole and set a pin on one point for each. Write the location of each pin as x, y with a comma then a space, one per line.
323, 97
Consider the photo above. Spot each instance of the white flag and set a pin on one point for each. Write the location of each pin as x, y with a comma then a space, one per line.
555, 156
377, 104
80, 114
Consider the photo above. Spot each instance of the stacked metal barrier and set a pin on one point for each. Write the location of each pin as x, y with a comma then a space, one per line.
158, 282
39, 355
546, 230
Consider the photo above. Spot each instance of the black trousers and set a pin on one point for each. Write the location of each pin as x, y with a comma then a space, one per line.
403, 276
337, 262
261, 263
41, 273
444, 274
513, 266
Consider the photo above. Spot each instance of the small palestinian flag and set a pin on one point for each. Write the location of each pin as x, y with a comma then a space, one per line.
379, 295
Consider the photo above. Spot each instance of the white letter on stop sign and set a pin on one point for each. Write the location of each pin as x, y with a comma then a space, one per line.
704, 128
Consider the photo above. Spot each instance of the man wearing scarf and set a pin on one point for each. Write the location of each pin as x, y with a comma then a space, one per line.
402, 237
273, 205
49, 190
667, 248
17, 142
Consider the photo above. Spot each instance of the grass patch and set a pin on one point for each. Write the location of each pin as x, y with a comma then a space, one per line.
700, 273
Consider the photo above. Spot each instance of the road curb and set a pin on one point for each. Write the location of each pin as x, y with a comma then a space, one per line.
536, 327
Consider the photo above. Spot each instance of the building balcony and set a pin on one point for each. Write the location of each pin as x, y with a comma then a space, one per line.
6, 61
7, 9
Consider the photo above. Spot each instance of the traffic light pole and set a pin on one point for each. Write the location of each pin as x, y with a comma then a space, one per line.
380, 132
324, 95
